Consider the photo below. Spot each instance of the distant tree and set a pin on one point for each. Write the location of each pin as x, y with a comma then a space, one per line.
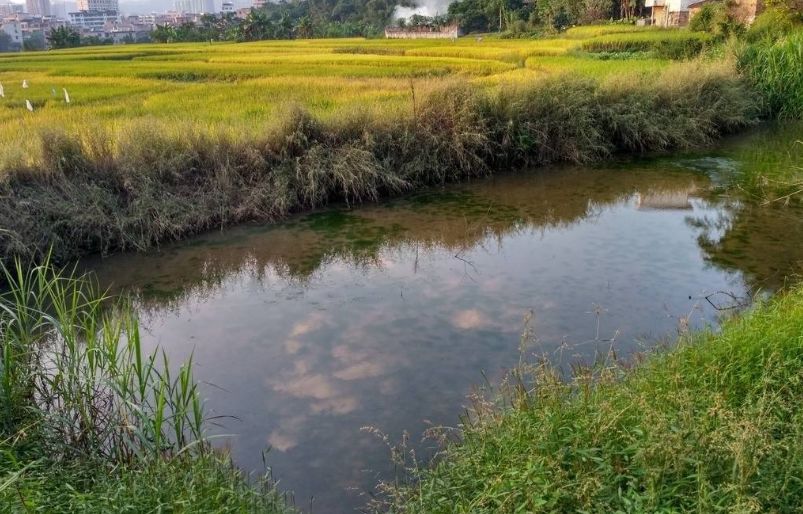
418, 20
304, 28
256, 26
189, 31
487, 15
560, 14
6, 43
597, 10
226, 26
718, 19
472, 15
64, 37
627, 8
35, 42
96, 41
163, 34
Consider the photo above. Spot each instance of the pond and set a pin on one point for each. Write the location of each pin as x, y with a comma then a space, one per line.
387, 315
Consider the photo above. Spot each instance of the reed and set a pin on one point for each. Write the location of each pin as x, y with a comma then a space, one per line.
84, 403
774, 68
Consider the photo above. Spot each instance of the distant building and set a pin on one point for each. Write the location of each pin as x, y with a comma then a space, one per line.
258, 3
195, 6
668, 13
678, 13
423, 32
93, 20
38, 7
10, 9
98, 5
14, 30
227, 7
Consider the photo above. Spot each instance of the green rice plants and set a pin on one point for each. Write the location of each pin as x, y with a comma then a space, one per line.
664, 44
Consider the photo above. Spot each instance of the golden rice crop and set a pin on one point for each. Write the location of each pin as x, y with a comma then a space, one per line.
239, 87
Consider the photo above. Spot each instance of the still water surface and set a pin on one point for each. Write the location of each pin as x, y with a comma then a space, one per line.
385, 316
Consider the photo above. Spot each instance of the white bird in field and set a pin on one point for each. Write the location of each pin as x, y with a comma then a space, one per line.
24, 84
29, 105
52, 91
2, 91
66, 95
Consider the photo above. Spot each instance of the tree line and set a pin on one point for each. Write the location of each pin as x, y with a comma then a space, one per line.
289, 19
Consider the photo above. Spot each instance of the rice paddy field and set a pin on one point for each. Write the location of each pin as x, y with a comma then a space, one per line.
241, 87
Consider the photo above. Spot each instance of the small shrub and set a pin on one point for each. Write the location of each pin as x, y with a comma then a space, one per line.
770, 25
717, 19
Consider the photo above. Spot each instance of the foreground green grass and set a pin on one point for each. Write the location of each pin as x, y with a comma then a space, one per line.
207, 483
89, 422
715, 425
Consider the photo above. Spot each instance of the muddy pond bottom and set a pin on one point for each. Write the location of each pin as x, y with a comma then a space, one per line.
385, 316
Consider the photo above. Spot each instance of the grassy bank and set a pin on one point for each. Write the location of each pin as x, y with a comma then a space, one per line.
91, 423
774, 68
91, 192
711, 426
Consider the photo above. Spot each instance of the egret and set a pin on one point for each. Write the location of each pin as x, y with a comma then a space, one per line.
29, 105
24, 84
66, 95
2, 92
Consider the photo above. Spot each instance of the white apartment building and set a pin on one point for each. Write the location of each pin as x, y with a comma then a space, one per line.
14, 29
669, 13
38, 7
92, 20
195, 6
98, 5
